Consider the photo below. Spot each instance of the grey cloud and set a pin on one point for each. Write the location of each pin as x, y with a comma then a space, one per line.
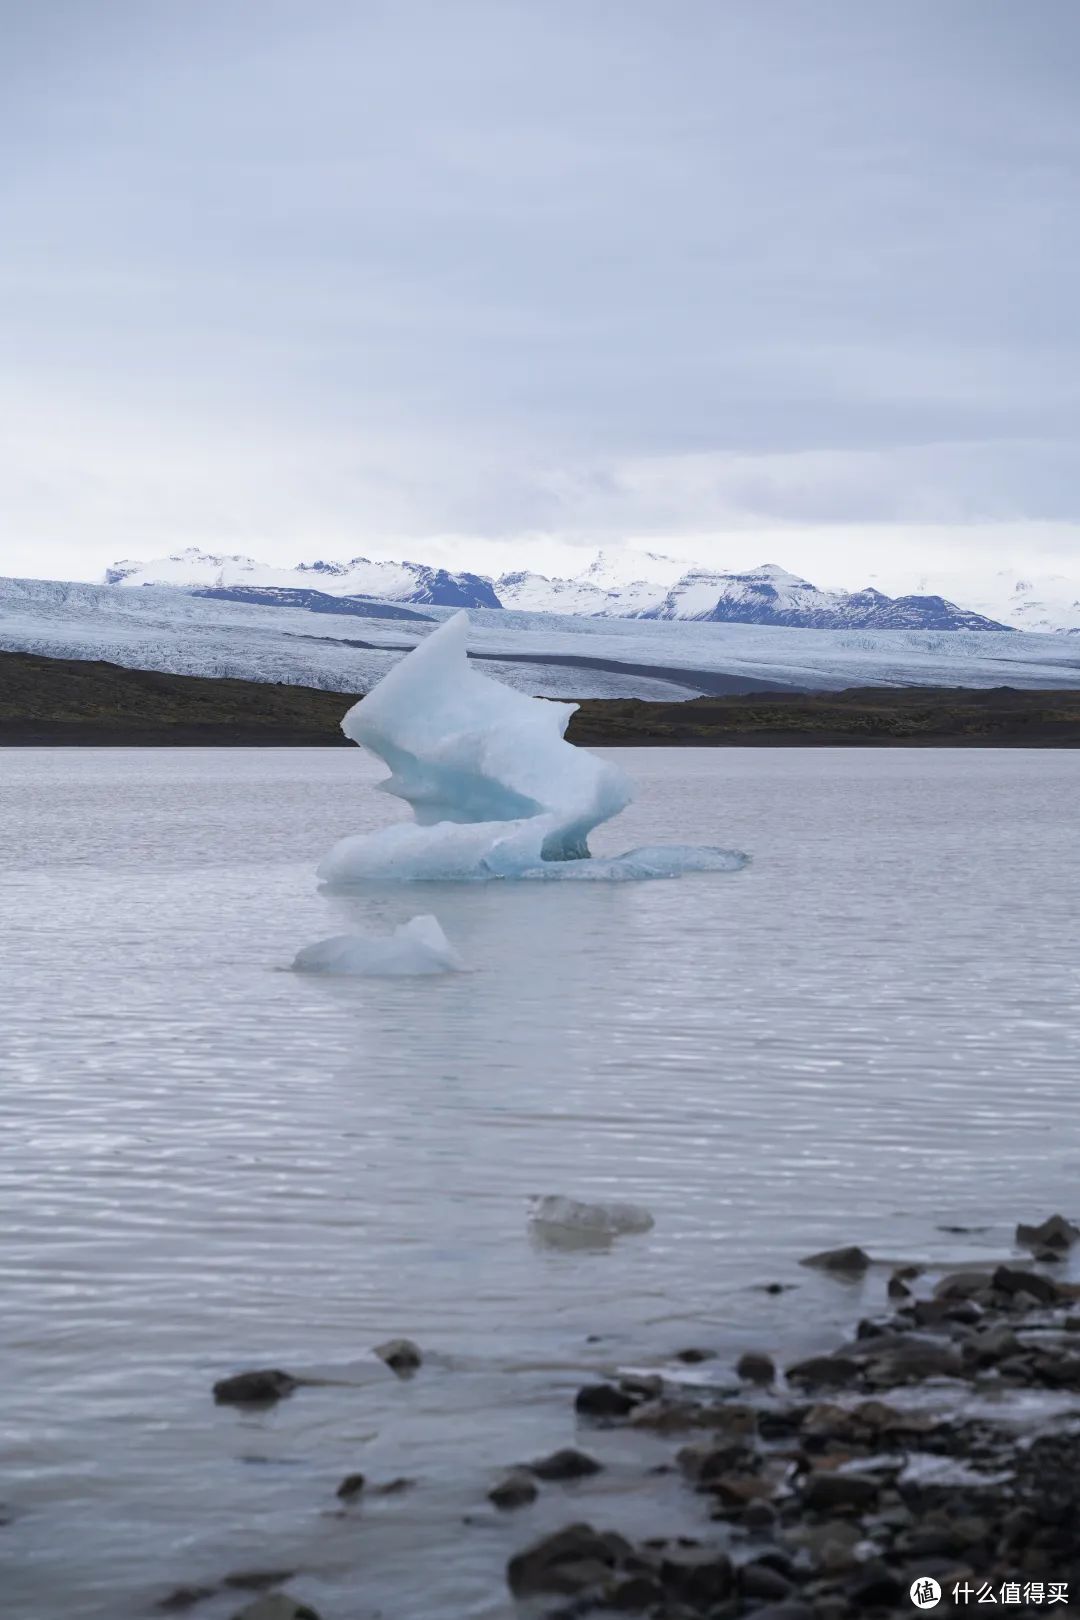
508, 266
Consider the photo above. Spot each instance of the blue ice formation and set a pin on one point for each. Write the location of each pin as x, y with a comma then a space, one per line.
495, 789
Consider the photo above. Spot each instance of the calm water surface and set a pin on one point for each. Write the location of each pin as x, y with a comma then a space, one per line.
208, 1163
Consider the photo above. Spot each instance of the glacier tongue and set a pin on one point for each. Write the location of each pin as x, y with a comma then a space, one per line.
496, 790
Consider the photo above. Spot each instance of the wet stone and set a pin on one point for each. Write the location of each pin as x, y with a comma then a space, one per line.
568, 1562
1011, 1280
697, 1575
1053, 1233
259, 1387
351, 1486
839, 1493
634, 1593
825, 1371
759, 1580
755, 1368
851, 1260
565, 1464
515, 1491
604, 1401
402, 1356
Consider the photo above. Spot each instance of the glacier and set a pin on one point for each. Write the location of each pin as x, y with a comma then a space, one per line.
415, 949
495, 789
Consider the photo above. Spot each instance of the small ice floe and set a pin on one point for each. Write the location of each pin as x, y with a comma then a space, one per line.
568, 1223
416, 948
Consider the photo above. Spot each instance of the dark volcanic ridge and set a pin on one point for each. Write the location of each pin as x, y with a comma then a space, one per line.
50, 701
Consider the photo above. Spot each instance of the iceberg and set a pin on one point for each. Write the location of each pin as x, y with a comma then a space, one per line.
414, 949
495, 789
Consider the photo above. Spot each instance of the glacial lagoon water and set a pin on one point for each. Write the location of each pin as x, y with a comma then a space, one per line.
209, 1163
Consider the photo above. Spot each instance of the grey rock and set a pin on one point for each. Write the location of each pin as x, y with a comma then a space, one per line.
829, 1492
697, 1575
1012, 1280
962, 1285
259, 1387
568, 1562
402, 1356
993, 1344
1053, 1233
515, 1491
830, 1372
567, 1463
604, 1401
703, 1464
851, 1260
761, 1581
755, 1368
914, 1359
634, 1593
694, 1354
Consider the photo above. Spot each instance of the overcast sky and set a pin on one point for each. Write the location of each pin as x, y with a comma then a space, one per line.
497, 281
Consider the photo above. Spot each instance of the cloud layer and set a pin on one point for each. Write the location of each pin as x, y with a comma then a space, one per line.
506, 278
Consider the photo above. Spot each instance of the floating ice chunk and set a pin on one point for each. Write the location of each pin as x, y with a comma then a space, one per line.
600, 1220
496, 790
415, 948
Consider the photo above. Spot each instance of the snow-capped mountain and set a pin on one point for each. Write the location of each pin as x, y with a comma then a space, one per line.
385, 581
621, 584
770, 595
1041, 602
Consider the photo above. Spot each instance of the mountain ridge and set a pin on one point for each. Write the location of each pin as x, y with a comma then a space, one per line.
768, 594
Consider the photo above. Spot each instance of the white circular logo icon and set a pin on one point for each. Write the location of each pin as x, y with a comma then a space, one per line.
925, 1592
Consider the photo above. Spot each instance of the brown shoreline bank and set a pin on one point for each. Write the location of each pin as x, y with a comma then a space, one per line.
58, 702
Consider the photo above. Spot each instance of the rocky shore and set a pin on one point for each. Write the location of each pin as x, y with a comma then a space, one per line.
936, 1450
